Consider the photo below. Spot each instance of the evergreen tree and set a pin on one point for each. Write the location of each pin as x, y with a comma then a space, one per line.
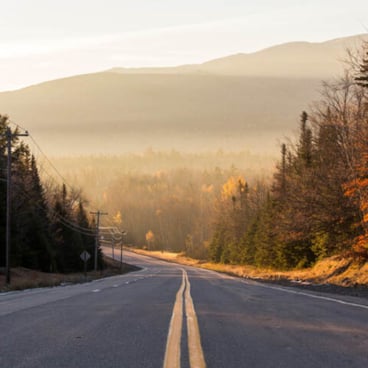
73, 232
293, 203
68, 241
362, 79
32, 244
87, 240
3, 178
336, 213
44, 236
305, 141
31, 241
264, 241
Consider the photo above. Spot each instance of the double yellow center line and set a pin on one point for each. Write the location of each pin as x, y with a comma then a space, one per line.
172, 354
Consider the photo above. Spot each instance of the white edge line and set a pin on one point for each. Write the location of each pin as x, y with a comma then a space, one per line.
290, 291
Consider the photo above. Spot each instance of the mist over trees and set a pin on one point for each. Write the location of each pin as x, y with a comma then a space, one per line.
164, 200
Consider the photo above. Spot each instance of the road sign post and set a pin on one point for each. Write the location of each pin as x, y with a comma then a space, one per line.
85, 256
97, 240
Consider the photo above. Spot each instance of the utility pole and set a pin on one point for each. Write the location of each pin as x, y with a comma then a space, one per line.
123, 233
97, 239
9, 135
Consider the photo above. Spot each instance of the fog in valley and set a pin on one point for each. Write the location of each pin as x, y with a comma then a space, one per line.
171, 194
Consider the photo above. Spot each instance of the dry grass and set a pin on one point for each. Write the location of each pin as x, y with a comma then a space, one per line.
24, 278
334, 270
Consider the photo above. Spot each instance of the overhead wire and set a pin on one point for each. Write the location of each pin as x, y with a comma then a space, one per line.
117, 235
45, 157
66, 222
42, 153
63, 220
113, 231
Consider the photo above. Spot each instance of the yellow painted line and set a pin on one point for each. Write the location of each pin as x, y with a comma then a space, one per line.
172, 353
196, 356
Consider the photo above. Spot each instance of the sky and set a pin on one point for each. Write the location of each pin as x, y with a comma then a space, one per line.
42, 40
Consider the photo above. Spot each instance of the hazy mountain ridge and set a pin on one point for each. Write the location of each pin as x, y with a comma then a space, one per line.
188, 108
294, 59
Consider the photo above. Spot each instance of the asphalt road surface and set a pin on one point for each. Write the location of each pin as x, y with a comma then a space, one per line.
169, 316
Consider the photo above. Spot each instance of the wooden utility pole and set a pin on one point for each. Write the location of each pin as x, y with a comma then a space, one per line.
9, 136
123, 233
97, 239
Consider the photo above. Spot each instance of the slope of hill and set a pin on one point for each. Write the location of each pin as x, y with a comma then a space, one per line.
295, 59
109, 112
225, 103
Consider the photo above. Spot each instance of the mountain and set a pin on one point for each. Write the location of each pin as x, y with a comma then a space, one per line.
241, 101
295, 59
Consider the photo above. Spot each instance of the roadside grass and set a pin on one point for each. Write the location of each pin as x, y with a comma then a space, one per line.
337, 270
23, 278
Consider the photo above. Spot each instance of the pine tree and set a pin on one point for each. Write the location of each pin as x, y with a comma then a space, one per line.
30, 226
292, 192
362, 79
336, 214
32, 242
68, 241
305, 141
3, 166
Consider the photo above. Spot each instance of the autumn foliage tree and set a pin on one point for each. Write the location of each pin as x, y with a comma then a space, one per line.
318, 201
237, 207
357, 186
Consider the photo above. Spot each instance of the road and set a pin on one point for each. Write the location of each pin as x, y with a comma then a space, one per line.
169, 316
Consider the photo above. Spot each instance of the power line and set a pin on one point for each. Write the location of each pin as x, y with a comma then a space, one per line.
16, 125
63, 220
116, 233
43, 154
51, 164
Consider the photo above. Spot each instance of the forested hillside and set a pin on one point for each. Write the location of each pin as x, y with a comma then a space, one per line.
170, 195
49, 225
317, 204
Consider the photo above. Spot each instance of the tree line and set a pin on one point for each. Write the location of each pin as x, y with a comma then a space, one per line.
317, 205
49, 224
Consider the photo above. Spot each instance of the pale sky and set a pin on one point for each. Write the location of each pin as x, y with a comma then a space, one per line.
47, 39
